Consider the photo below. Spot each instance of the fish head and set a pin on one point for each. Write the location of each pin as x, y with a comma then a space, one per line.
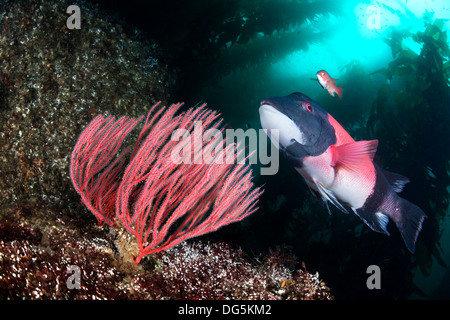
300, 121
323, 77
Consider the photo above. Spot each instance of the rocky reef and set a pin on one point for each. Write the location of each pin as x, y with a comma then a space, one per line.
38, 251
53, 81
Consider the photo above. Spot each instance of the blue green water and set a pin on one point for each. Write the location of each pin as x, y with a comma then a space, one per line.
391, 57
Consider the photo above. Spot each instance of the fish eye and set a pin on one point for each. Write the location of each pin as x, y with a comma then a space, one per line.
307, 106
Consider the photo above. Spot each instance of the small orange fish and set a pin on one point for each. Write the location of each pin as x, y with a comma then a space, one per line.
329, 83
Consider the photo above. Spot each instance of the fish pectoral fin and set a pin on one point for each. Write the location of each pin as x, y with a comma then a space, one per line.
351, 155
328, 195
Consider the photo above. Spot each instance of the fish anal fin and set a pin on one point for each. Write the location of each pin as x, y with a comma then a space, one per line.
331, 92
351, 155
377, 221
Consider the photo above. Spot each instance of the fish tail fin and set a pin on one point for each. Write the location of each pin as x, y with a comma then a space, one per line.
339, 91
409, 219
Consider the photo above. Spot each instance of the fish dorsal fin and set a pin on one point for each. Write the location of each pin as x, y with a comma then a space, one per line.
352, 155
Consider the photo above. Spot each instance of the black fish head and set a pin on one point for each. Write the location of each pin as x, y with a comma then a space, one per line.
300, 121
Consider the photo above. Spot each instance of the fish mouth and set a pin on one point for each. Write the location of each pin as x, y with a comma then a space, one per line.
267, 105
268, 112
273, 119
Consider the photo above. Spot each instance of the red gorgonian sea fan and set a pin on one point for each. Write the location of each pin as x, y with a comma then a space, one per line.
159, 197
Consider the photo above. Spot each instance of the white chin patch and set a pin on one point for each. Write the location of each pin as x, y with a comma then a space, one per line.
321, 81
272, 119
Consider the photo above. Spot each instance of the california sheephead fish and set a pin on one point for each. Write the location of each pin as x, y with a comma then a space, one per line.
337, 168
327, 82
